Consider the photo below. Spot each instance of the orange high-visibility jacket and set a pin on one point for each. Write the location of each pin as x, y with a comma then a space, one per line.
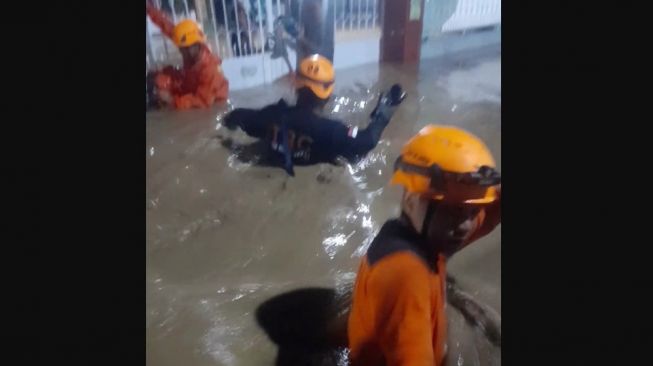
196, 86
398, 311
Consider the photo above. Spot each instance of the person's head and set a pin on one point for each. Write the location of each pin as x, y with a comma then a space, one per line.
188, 36
448, 177
191, 54
314, 81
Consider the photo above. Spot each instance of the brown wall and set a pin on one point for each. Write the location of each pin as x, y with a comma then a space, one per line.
401, 38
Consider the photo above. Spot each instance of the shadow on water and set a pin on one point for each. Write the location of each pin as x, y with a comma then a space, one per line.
309, 325
259, 153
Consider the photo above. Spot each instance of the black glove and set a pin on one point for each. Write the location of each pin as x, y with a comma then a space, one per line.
388, 103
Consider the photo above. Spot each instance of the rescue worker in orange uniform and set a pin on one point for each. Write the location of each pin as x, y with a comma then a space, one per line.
452, 197
200, 83
299, 135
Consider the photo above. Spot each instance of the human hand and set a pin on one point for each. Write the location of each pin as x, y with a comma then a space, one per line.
389, 101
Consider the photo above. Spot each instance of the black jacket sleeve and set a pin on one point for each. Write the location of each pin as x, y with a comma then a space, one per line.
255, 122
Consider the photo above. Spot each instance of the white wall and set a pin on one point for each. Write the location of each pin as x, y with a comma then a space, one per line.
357, 51
471, 14
450, 43
250, 71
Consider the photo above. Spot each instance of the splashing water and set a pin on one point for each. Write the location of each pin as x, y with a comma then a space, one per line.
225, 235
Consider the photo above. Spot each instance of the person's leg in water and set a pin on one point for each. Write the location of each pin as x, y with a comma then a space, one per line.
244, 43
287, 60
234, 44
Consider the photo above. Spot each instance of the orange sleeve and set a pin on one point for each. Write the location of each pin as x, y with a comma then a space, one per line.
160, 19
211, 86
399, 290
202, 97
187, 101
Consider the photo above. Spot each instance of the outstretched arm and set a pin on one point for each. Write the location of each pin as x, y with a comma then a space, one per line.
160, 19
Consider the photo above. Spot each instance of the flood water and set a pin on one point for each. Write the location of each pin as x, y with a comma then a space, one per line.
224, 235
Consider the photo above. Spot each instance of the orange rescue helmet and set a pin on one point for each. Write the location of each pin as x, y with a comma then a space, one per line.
187, 33
316, 73
448, 164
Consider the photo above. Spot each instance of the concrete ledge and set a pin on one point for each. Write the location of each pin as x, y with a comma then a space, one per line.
449, 43
357, 51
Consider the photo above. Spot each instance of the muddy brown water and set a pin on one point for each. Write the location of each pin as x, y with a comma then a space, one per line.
224, 236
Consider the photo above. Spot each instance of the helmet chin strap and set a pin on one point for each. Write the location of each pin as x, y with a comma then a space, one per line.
423, 241
430, 211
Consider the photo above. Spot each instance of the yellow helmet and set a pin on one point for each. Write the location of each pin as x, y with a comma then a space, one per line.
447, 164
187, 33
316, 73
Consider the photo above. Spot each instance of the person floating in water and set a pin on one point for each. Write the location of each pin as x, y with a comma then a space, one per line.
452, 197
298, 135
200, 83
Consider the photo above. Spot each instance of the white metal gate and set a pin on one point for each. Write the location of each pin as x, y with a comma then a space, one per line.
222, 25
472, 14
241, 28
